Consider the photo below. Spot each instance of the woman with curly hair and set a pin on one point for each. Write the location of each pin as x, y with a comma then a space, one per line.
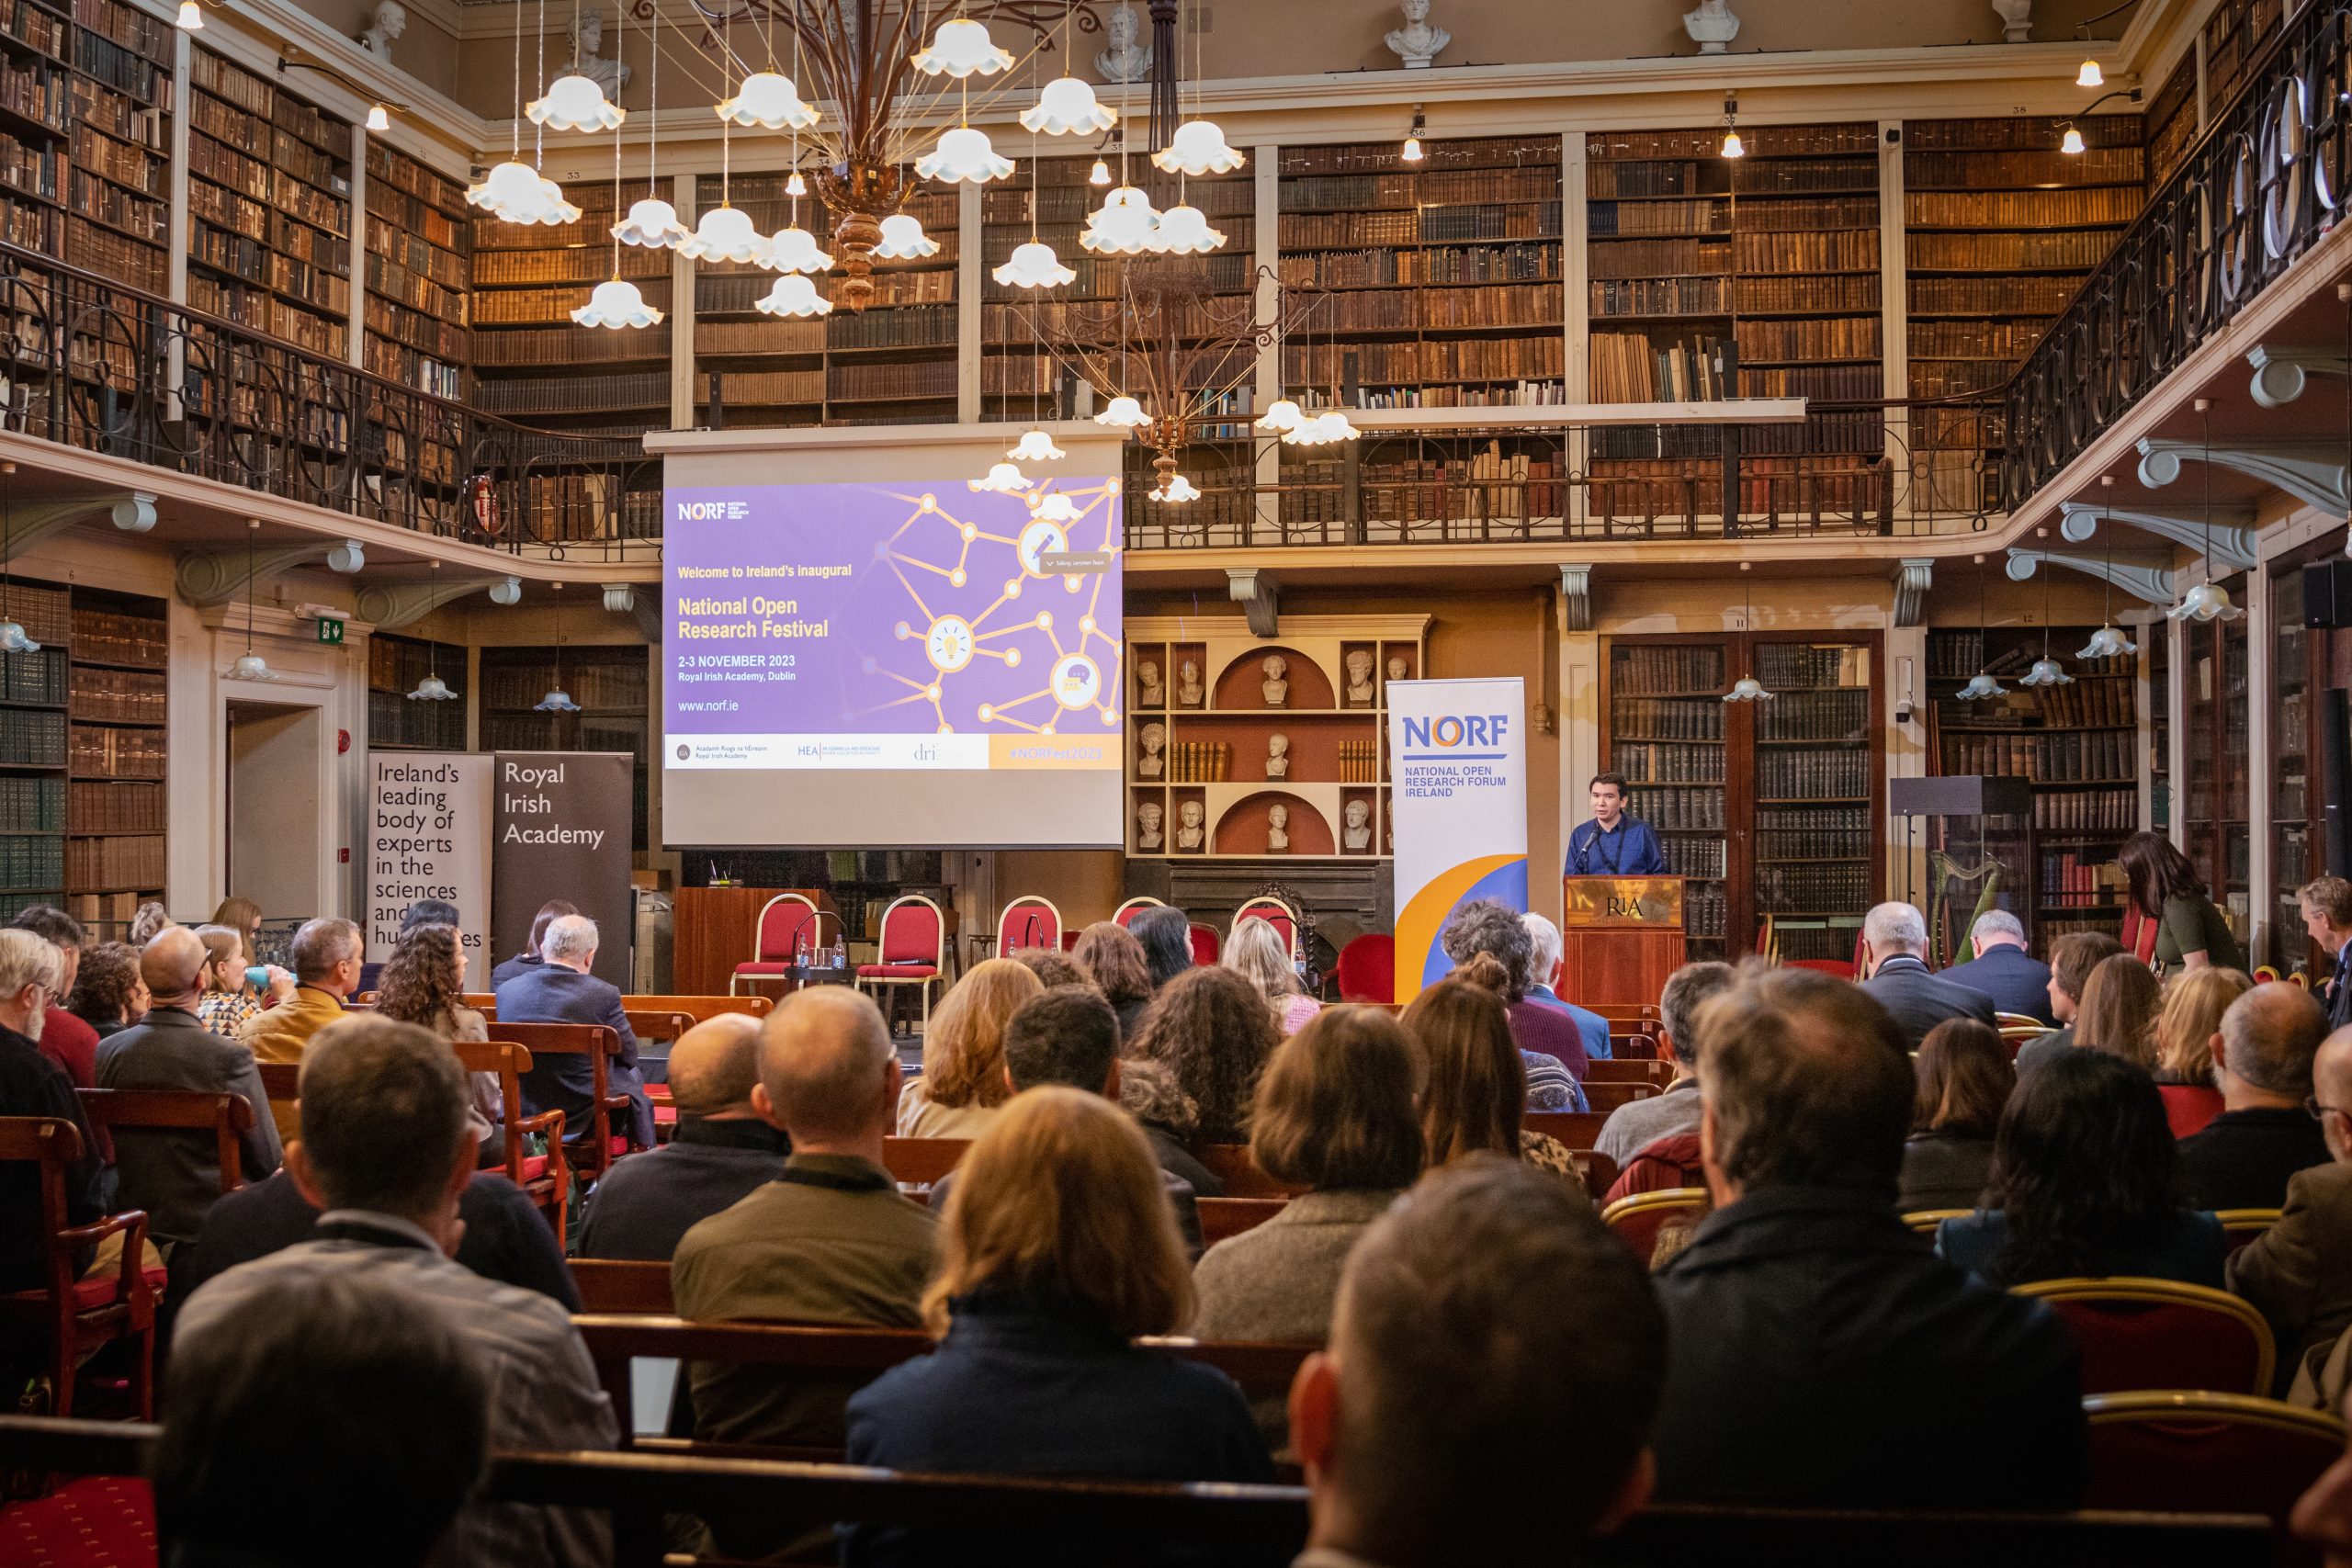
962, 1083
1476, 1089
1213, 1031
108, 994
425, 982
1488, 926
1110, 956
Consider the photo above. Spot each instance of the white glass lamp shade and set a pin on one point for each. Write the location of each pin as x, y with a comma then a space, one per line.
557, 700
1321, 430
1124, 412
1100, 175
1001, 480
617, 303
726, 234
517, 193
2205, 601
1979, 687
2071, 143
433, 689
903, 239
2046, 672
574, 103
1747, 689
1412, 152
1282, 416
2108, 642
794, 249
251, 667
796, 185
767, 101
1184, 231
1198, 148
377, 119
1054, 508
794, 295
1033, 266
1732, 146
1336, 426
1036, 447
2090, 76
1176, 489
14, 638
1064, 106
191, 17
1124, 225
653, 223
964, 154
962, 48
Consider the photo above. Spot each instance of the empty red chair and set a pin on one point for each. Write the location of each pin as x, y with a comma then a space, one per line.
1368, 969
1028, 921
789, 926
2159, 1334
2191, 1452
913, 950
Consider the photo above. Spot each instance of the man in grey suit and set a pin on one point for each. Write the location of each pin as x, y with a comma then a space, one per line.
562, 990
1894, 946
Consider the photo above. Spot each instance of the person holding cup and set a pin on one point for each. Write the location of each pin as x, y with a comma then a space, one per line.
232, 991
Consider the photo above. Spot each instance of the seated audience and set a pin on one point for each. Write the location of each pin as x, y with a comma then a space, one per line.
1256, 952
1056, 1251
340, 1412
2170, 920
1543, 984
2000, 966
1894, 957
1550, 1086
2084, 1173
1166, 936
1639, 1122
1964, 1080
326, 953
64, 1039
1051, 966
829, 1240
2326, 906
530, 958
1488, 925
962, 1087
229, 1003
1168, 1118
1211, 1032
1477, 1087
1823, 1356
242, 916
2298, 1272
2117, 1015
2072, 958
2184, 1032
721, 1150
109, 995
424, 912
387, 1144
33, 1083
423, 983
560, 990
1113, 959
175, 1173
2262, 1055
1494, 1369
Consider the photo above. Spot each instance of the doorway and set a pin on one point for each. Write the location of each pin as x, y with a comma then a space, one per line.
277, 760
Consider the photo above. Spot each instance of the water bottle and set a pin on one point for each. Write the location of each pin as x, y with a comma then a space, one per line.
840, 951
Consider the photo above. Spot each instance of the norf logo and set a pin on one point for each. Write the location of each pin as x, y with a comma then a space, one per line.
713, 511
1467, 729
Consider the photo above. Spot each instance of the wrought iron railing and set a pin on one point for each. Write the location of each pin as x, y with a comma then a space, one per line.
103, 367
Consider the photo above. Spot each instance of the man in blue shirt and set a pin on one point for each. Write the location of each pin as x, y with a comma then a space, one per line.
1613, 844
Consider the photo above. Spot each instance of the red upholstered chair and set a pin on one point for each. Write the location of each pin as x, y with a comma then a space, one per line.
76, 1315
2181, 1452
786, 922
1028, 921
1368, 969
2240, 1226
1134, 907
2141, 1334
913, 951
2188, 1107
1275, 913
1206, 944
544, 1179
1637, 1219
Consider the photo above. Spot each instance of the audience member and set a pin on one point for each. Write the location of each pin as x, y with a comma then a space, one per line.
1895, 959
242, 916
1056, 1250
2193, 1006
721, 1150
33, 1083
1166, 935
2072, 958
2298, 1272
66, 1040
2326, 906
1169, 1120
1211, 1029
229, 1003
1543, 977
1051, 966
1477, 1087
1112, 959
560, 990
425, 983
2085, 1174
530, 958
2262, 1056
1493, 1370
110, 994
1964, 1080
1256, 952
1493, 927
2018, 982
1640, 1123
1823, 1356
147, 921
1550, 1085
326, 953
338, 1412
387, 1146
962, 1087
2170, 921
175, 1173
2117, 1015
423, 912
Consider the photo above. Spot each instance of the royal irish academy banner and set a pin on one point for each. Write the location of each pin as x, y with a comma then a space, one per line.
428, 836
564, 831
1458, 765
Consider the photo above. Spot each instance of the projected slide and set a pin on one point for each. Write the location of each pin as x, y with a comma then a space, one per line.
916, 629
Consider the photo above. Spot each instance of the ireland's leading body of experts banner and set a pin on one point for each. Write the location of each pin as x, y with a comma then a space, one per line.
1458, 754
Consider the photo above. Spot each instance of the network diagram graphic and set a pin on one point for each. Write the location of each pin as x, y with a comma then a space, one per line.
968, 665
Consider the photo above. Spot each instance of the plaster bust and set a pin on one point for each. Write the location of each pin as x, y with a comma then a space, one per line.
1148, 676
1278, 755
1356, 831
1276, 686
1188, 685
1711, 26
1188, 825
1126, 60
1278, 828
1155, 740
385, 25
587, 37
1417, 43
1397, 668
1359, 676
1147, 825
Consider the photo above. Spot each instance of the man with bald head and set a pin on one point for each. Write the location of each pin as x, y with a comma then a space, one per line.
175, 1174
2262, 1065
2298, 1272
721, 1152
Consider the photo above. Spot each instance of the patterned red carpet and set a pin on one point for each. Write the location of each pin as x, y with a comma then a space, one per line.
97, 1522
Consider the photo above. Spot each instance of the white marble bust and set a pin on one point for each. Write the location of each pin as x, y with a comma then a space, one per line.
1359, 676
1711, 26
1417, 44
1155, 740
1397, 668
1356, 831
1148, 676
587, 37
1147, 825
1278, 755
1278, 828
1188, 685
1128, 59
385, 25
1188, 825
1276, 688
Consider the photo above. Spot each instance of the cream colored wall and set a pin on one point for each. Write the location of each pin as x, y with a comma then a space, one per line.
428, 50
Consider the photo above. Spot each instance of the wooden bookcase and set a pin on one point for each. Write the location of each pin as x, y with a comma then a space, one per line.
532, 362
2171, 120
419, 274
395, 722
609, 683
1773, 812
2215, 806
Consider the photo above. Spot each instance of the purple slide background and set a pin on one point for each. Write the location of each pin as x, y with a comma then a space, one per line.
844, 683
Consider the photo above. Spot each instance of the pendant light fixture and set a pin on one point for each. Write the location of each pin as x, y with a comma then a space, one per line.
616, 302
514, 191
250, 666
724, 233
2046, 671
793, 295
1411, 152
1003, 478
651, 221
1176, 490
433, 689
14, 638
1732, 146
1066, 106
1032, 264
557, 700
2209, 600
1747, 688
1036, 447
962, 48
1052, 507
1123, 412
1982, 686
573, 102
903, 239
2108, 641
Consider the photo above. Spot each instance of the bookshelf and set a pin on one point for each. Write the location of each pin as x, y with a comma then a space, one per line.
1770, 811
419, 275
2239, 36
2156, 640
2298, 843
395, 667
2000, 228
2171, 120
2215, 832
34, 781
116, 754
609, 683
532, 363
894, 364
269, 207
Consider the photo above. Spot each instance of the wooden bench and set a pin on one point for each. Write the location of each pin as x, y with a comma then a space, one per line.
919, 1162
694, 1009
1649, 1070
227, 1117
590, 1150
1576, 1129
1605, 1097
612, 1285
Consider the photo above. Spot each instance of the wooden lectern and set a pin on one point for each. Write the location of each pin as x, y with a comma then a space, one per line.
1620, 938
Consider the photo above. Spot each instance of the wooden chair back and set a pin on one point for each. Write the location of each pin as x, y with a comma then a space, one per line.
1576, 1129
1605, 1098
69, 1326
699, 1007
1648, 1070
661, 1025
1598, 1170
593, 1155
281, 1081
609, 1285
919, 1162
227, 1117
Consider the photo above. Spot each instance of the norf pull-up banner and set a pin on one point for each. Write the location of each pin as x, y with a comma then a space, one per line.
1457, 753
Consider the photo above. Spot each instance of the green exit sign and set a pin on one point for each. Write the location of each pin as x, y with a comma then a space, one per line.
330, 629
